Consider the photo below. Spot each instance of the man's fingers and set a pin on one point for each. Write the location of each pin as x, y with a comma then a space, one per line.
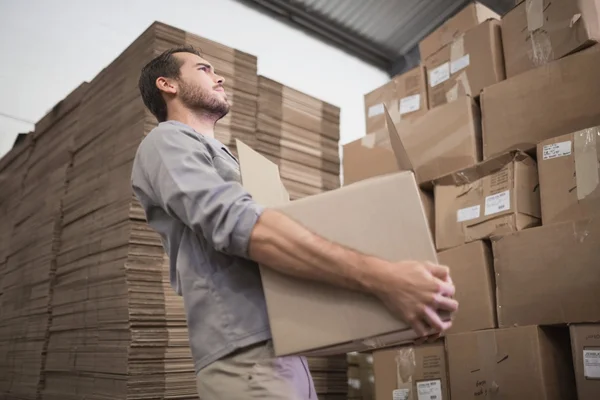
434, 320
445, 288
445, 303
419, 327
439, 271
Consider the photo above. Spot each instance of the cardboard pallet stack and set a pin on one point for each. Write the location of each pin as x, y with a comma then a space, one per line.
513, 165
300, 134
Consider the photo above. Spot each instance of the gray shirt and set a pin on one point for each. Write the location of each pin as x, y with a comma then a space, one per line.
189, 186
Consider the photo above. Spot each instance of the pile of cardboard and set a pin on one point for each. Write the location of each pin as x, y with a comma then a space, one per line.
361, 380
300, 134
513, 165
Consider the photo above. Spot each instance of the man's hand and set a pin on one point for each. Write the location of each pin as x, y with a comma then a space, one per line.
416, 292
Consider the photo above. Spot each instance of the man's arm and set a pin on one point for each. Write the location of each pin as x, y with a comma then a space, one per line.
183, 180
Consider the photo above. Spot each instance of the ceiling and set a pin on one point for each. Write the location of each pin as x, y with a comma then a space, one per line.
384, 33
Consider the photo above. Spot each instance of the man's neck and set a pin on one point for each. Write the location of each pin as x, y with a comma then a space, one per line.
202, 124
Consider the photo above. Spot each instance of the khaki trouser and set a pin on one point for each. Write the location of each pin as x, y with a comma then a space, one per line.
255, 373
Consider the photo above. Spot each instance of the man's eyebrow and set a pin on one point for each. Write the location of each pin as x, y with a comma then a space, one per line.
203, 65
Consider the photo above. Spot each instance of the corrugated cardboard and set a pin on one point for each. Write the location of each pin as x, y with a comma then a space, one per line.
446, 139
470, 63
374, 106
569, 168
411, 373
372, 156
555, 99
585, 343
522, 363
549, 274
405, 97
539, 31
494, 197
381, 216
411, 93
472, 269
469, 17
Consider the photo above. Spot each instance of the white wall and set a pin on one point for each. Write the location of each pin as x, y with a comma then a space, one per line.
48, 47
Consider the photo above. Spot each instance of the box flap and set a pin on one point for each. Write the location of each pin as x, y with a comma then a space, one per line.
260, 177
404, 163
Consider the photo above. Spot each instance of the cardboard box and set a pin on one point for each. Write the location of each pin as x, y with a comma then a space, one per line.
549, 275
381, 216
470, 63
446, 139
469, 17
472, 269
511, 364
585, 343
553, 100
374, 106
405, 97
547, 30
569, 169
411, 372
494, 197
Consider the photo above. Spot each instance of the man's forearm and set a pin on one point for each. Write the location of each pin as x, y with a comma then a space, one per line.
280, 243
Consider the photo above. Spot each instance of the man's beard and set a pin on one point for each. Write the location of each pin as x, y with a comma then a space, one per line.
206, 103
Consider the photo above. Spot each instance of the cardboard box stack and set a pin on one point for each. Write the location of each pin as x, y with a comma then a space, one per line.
361, 379
528, 156
300, 134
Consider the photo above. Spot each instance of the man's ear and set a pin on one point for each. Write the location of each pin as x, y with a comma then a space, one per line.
166, 85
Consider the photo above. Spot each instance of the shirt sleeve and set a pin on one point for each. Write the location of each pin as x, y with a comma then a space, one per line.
187, 186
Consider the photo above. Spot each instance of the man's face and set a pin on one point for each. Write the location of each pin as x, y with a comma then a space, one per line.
199, 87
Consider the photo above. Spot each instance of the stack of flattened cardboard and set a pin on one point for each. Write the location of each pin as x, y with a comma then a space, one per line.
12, 172
329, 376
118, 328
300, 134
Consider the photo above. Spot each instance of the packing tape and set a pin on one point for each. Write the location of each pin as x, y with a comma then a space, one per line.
488, 353
586, 147
452, 94
457, 48
534, 10
406, 365
463, 80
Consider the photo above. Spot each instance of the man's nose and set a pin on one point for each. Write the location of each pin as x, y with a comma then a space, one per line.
220, 80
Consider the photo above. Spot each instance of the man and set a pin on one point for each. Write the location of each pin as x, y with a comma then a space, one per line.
215, 236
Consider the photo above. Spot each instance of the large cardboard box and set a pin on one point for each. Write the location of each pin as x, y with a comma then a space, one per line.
381, 216
446, 139
405, 97
555, 99
494, 197
539, 31
472, 269
523, 363
470, 63
411, 373
585, 343
569, 169
469, 17
549, 274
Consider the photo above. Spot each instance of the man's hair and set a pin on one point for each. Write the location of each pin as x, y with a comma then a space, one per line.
167, 66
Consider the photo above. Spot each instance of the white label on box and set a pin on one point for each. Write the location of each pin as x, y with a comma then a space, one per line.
591, 364
497, 203
556, 150
400, 394
376, 110
460, 63
410, 104
429, 390
439, 75
469, 213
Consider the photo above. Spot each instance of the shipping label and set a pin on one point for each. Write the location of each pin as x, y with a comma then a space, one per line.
497, 203
591, 364
439, 75
429, 390
376, 110
410, 104
460, 63
468, 213
400, 394
556, 150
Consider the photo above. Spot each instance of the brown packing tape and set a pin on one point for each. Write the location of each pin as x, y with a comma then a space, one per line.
586, 149
406, 365
488, 358
534, 10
